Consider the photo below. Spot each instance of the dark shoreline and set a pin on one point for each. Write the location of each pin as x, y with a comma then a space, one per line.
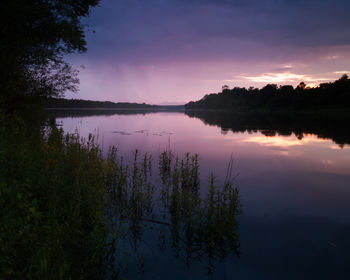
325, 124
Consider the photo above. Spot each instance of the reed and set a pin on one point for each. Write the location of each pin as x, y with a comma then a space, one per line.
68, 211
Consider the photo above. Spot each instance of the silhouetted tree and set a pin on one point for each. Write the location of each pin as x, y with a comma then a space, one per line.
35, 35
326, 95
286, 89
225, 87
301, 86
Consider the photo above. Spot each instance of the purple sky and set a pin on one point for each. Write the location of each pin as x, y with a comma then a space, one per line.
175, 51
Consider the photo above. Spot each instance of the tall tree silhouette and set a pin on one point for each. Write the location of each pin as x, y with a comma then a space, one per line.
35, 36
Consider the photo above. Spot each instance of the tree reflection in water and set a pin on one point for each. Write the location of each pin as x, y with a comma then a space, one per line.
332, 126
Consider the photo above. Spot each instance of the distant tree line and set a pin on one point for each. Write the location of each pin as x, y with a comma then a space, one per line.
79, 103
326, 95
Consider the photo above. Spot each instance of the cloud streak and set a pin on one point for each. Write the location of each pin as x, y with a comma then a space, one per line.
189, 46
283, 77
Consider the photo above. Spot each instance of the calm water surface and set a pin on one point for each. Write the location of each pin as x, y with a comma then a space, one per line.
295, 192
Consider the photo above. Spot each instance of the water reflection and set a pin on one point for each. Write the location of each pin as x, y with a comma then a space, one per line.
198, 227
294, 185
278, 124
283, 141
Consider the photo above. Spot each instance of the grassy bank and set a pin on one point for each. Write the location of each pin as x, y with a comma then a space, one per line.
66, 210
52, 201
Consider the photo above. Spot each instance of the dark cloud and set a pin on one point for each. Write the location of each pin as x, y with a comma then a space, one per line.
205, 42
154, 29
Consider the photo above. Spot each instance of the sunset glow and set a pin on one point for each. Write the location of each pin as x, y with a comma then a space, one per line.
175, 139
177, 51
284, 142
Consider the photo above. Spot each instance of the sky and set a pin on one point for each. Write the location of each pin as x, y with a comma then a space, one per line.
175, 51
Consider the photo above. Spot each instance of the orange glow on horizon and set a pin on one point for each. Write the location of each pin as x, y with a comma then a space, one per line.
284, 142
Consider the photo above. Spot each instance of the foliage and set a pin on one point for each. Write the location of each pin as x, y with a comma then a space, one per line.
52, 205
35, 35
271, 97
67, 210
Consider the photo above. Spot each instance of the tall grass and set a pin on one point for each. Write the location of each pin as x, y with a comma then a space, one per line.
52, 201
67, 211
